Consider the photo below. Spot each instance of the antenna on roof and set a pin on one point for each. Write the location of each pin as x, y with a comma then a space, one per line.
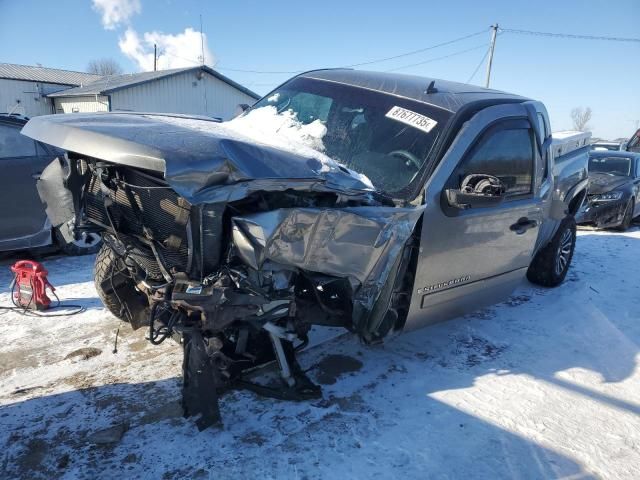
432, 88
201, 41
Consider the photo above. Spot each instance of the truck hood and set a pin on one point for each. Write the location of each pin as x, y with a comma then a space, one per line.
603, 183
195, 155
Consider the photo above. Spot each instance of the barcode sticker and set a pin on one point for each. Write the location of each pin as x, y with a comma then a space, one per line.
416, 120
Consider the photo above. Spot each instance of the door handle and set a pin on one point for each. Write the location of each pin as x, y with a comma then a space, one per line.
522, 225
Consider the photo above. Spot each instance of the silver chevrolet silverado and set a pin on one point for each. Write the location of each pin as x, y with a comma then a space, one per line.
370, 201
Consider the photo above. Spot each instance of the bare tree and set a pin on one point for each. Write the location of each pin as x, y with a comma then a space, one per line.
581, 117
104, 66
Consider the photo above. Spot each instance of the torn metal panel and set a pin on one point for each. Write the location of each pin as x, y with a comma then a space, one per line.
360, 243
58, 199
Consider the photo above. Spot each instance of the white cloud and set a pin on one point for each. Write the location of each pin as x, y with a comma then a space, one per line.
116, 12
174, 51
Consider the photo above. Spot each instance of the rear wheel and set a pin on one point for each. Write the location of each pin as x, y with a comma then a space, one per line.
117, 290
551, 264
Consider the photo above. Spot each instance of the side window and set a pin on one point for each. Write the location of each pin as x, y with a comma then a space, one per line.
14, 144
506, 153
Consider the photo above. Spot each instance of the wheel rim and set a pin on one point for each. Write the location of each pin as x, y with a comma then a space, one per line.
87, 240
564, 252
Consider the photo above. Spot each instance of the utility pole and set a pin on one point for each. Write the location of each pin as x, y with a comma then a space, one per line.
155, 57
494, 34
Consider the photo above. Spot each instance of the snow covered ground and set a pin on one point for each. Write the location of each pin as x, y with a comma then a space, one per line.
545, 385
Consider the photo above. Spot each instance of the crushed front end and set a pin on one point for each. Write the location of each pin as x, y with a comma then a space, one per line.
604, 210
238, 282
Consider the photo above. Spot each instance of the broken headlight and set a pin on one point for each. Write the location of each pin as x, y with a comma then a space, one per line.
606, 197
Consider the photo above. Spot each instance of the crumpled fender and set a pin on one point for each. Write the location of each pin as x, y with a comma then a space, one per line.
361, 244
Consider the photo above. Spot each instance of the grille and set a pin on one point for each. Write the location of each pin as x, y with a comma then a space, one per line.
159, 209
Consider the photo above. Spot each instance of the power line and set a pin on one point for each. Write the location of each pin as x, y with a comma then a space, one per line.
370, 62
479, 65
421, 50
569, 35
181, 58
484, 45
380, 60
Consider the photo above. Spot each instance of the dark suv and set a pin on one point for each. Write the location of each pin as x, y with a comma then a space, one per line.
23, 221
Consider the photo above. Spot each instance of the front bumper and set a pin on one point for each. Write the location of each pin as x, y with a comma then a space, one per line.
603, 214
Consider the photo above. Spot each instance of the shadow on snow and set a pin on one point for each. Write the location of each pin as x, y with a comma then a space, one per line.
383, 421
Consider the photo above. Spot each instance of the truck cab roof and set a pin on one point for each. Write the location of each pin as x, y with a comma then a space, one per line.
444, 94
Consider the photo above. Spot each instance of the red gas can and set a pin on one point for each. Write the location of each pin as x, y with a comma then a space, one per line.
30, 285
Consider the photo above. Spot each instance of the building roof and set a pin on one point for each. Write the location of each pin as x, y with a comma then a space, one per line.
45, 75
450, 95
112, 83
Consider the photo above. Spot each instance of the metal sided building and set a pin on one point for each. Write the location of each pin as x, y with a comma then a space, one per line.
24, 88
194, 90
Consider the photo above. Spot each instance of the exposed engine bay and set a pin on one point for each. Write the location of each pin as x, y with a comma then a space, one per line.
240, 283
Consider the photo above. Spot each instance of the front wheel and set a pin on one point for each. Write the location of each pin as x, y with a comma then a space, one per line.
551, 264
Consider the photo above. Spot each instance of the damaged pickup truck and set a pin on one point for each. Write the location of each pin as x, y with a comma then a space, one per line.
368, 201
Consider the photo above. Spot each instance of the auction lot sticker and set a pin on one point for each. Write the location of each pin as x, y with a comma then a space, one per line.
421, 122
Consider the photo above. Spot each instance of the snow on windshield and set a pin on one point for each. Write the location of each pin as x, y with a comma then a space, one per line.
279, 130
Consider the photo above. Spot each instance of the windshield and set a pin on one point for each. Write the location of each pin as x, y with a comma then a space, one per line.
605, 146
383, 137
610, 165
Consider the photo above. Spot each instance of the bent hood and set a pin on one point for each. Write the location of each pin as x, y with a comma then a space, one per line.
603, 183
193, 154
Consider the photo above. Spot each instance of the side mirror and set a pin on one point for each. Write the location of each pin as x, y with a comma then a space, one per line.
476, 191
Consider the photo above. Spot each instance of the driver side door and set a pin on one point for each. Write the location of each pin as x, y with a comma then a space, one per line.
476, 256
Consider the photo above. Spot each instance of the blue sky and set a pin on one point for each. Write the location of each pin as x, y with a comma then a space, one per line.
296, 35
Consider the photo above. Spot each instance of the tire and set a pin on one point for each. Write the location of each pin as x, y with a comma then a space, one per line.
117, 291
628, 216
551, 264
88, 244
